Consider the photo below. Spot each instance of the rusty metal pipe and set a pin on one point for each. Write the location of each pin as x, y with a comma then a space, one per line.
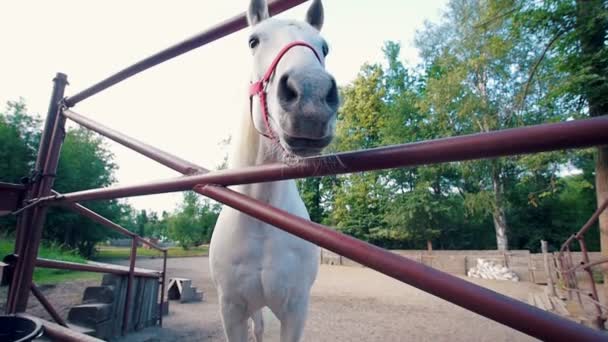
505, 310
29, 230
598, 320
592, 219
63, 265
532, 139
223, 29
86, 212
171, 161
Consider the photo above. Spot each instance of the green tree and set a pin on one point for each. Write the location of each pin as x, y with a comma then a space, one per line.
85, 163
358, 201
19, 136
575, 32
193, 222
157, 227
477, 71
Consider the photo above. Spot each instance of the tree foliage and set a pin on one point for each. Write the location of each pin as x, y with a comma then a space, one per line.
487, 65
193, 222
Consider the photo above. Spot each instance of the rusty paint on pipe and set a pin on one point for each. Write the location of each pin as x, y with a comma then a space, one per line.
500, 308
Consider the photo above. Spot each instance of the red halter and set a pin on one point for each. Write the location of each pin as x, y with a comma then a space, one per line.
259, 88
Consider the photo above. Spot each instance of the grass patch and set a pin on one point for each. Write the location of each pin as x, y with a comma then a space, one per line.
108, 252
55, 252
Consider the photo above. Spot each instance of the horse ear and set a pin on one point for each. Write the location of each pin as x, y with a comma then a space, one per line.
315, 16
258, 11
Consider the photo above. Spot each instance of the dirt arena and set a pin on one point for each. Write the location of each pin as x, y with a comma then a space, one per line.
348, 304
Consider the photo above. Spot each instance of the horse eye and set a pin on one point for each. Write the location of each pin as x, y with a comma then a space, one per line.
253, 42
325, 50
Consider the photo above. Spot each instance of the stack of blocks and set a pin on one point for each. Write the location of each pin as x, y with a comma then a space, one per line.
103, 306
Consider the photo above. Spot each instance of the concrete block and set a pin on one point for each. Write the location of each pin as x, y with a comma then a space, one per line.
98, 294
90, 314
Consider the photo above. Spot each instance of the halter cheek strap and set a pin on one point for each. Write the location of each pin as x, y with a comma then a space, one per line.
259, 88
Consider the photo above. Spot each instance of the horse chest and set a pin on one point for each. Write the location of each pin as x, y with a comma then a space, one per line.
253, 249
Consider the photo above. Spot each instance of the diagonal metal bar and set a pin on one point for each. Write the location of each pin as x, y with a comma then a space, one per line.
86, 212
592, 219
167, 159
47, 306
513, 313
223, 29
532, 139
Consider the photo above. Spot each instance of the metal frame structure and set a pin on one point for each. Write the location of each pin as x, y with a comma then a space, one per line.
567, 269
513, 313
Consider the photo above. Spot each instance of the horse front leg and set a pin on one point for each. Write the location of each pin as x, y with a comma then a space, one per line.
293, 319
234, 320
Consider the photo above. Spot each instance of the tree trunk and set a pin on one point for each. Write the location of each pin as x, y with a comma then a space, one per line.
429, 245
591, 26
498, 213
601, 188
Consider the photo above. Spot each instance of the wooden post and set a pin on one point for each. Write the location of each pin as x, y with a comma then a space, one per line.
543, 247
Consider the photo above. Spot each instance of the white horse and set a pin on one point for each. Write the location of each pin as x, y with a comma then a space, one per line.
291, 113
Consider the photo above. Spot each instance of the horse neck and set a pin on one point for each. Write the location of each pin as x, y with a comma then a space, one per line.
249, 149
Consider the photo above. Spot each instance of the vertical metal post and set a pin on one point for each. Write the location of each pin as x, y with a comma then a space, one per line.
572, 278
163, 288
548, 269
29, 231
599, 320
133, 256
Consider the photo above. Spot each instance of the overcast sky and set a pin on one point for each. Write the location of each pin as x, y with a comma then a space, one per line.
185, 106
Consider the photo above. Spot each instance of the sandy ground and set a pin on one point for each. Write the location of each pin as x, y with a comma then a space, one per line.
348, 304
62, 297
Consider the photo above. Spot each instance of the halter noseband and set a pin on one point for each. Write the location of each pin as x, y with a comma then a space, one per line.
259, 88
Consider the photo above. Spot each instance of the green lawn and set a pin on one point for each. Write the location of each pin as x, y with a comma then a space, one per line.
52, 276
107, 252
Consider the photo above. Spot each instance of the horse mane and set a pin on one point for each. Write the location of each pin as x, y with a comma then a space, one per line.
245, 141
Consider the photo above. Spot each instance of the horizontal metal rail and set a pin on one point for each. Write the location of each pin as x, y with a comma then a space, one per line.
513, 313
223, 29
11, 186
64, 265
86, 212
532, 139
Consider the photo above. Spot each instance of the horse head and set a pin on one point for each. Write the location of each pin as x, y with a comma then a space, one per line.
294, 100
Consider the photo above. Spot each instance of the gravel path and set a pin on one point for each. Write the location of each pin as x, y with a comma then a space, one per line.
348, 304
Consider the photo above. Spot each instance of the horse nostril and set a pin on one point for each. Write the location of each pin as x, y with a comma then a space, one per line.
332, 94
287, 92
